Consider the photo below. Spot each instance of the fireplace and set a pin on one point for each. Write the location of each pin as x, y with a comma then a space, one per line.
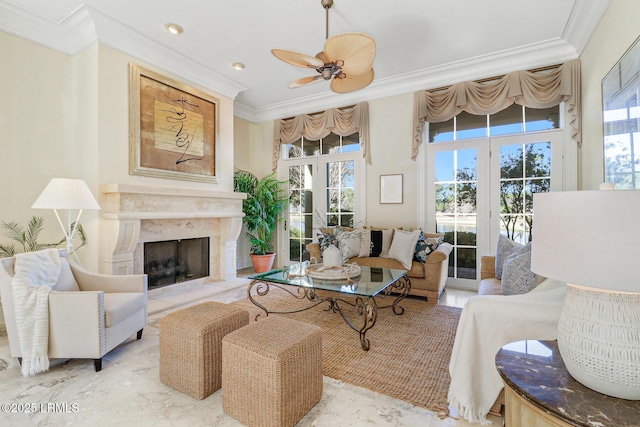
174, 261
135, 215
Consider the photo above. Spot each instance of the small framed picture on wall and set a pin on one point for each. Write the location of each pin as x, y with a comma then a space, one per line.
391, 188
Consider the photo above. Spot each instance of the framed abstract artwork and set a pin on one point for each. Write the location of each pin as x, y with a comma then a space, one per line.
174, 128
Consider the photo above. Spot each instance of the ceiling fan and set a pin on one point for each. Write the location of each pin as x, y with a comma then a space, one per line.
346, 60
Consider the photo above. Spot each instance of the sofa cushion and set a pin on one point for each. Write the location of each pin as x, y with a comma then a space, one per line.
417, 269
403, 246
120, 305
517, 277
491, 286
506, 247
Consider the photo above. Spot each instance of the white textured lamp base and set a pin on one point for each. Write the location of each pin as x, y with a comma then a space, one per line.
599, 339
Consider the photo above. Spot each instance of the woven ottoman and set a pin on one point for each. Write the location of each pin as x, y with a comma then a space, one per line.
191, 346
271, 372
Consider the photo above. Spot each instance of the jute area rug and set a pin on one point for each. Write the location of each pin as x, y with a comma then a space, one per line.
409, 354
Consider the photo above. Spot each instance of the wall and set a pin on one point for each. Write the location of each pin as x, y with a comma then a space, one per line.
65, 116
618, 29
390, 124
41, 128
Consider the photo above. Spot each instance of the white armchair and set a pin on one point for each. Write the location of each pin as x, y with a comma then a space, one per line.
89, 314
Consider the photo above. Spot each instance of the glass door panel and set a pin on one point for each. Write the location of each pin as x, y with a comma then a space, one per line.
300, 213
456, 186
340, 193
525, 169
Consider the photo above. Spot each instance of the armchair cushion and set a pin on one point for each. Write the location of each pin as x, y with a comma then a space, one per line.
66, 281
118, 306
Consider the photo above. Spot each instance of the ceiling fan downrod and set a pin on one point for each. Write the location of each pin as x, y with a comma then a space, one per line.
327, 5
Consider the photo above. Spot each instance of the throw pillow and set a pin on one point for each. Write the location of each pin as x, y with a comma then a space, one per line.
506, 247
380, 242
425, 246
349, 243
517, 277
365, 244
66, 281
403, 246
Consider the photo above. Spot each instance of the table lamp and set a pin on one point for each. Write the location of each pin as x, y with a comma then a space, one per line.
70, 194
591, 241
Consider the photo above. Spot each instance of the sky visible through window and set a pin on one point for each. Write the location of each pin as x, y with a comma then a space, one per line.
444, 169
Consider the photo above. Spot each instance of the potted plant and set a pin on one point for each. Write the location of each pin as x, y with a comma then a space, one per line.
265, 201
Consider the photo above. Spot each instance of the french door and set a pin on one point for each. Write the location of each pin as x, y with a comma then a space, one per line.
323, 191
480, 188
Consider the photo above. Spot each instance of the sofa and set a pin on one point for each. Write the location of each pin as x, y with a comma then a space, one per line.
489, 285
428, 279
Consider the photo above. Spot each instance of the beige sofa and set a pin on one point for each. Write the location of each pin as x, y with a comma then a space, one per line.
427, 280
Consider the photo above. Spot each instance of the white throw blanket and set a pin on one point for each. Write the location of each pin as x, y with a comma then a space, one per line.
487, 323
35, 274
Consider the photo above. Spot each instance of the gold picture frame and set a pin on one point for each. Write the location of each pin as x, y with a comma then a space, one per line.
174, 128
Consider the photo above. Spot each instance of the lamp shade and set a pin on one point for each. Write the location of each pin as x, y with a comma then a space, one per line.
64, 193
588, 238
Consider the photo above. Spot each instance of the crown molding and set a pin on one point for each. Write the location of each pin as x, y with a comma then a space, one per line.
498, 63
583, 21
87, 26
122, 38
70, 36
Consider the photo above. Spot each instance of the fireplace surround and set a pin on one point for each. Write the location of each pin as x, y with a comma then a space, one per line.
135, 214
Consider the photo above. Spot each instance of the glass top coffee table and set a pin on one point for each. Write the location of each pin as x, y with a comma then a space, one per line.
361, 290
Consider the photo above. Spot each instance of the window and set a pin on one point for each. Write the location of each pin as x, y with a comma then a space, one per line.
513, 119
481, 182
621, 117
323, 178
525, 169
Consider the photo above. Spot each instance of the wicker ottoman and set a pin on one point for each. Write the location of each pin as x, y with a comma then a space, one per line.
191, 346
271, 372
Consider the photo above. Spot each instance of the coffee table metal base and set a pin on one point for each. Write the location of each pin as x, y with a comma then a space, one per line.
366, 307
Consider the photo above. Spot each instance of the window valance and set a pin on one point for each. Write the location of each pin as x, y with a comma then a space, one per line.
341, 121
527, 88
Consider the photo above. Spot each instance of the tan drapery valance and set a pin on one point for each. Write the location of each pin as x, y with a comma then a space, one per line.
341, 121
527, 88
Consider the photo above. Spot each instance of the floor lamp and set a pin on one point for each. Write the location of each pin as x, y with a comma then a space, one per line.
70, 194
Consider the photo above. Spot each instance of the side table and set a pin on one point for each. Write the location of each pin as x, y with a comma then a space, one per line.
539, 391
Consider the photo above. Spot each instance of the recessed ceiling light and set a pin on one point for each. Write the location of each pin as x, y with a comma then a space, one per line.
174, 28
238, 65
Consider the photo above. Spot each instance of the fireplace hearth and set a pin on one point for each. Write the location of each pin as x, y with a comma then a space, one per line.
175, 261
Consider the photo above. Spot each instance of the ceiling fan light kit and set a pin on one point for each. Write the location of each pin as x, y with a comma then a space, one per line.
346, 60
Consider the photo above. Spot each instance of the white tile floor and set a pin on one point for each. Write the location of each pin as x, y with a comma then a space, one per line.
127, 392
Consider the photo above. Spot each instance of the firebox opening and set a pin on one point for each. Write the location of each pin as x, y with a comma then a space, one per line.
174, 261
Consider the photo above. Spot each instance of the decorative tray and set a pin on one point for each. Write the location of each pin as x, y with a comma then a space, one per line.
347, 271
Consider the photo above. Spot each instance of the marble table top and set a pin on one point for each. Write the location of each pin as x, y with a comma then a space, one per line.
535, 370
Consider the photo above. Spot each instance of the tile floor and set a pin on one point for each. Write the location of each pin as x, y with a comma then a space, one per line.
127, 392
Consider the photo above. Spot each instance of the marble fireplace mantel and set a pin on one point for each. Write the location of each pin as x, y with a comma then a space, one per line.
135, 214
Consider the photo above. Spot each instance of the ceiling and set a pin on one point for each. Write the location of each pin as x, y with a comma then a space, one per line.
421, 44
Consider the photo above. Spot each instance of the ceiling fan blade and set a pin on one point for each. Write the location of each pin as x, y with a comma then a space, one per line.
352, 83
297, 59
305, 81
356, 50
